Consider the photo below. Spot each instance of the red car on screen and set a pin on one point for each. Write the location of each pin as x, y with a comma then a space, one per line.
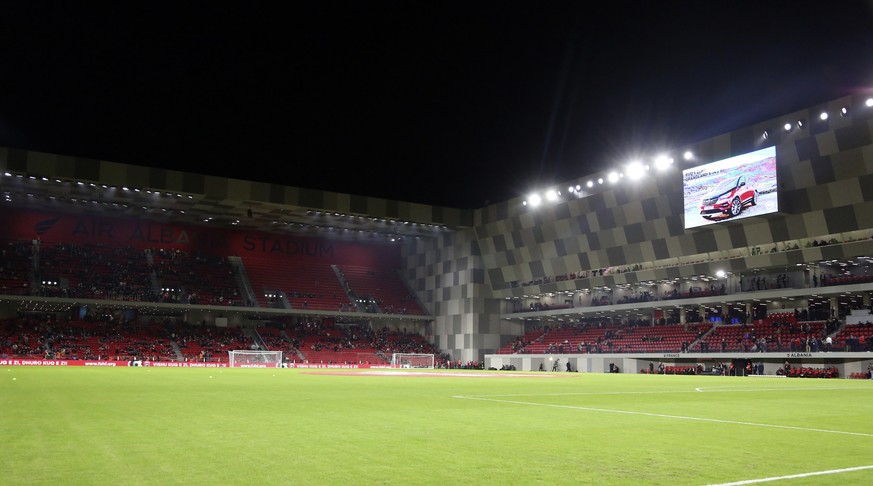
728, 197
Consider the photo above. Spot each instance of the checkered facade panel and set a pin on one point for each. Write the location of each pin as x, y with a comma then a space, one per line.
825, 188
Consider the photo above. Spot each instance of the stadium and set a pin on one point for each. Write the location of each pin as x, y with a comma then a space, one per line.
623, 270
657, 268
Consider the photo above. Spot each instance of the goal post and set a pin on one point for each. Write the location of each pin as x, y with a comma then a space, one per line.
242, 358
412, 360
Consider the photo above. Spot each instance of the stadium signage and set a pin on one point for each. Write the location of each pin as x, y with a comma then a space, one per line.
267, 244
148, 233
799, 355
671, 355
173, 364
31, 362
80, 362
329, 365
170, 235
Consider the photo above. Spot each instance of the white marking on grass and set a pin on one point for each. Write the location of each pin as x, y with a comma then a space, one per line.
451, 374
795, 476
731, 389
658, 392
662, 415
570, 394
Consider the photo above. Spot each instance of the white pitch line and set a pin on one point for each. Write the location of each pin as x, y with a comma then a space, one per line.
709, 389
573, 394
795, 476
661, 415
661, 392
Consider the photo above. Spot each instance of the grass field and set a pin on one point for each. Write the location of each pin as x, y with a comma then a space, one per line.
157, 426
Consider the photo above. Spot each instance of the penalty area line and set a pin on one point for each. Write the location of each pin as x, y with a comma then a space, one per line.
794, 476
662, 415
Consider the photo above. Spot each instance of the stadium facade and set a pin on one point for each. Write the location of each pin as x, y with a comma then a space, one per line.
619, 248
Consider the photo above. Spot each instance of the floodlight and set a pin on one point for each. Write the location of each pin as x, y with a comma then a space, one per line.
766, 134
844, 112
869, 102
590, 184
823, 116
552, 195
635, 170
663, 161
688, 155
613, 177
787, 127
534, 200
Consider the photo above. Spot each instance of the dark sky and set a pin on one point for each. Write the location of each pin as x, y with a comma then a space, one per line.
447, 103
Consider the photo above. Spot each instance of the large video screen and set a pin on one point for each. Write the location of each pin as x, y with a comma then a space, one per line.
731, 189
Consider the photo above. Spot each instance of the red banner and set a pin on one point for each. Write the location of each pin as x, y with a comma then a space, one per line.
81, 362
141, 234
175, 364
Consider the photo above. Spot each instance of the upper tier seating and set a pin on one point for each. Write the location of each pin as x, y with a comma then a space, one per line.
16, 267
310, 286
197, 278
95, 272
385, 287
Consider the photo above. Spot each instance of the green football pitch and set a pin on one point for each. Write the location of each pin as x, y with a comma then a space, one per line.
158, 426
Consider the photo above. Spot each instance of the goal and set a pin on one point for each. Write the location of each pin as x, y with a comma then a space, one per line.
411, 360
254, 359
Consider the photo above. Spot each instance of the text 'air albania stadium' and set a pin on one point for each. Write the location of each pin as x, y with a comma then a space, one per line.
748, 253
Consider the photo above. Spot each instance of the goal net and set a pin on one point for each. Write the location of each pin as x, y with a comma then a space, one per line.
254, 359
411, 360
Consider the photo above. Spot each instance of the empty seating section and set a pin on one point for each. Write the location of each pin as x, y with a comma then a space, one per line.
195, 278
846, 280
312, 286
384, 286
16, 267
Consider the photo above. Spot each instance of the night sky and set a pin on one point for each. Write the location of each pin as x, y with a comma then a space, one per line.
447, 103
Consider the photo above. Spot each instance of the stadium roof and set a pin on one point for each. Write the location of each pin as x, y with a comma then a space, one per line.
452, 104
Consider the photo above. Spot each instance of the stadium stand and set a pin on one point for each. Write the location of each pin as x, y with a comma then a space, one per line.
385, 288
303, 286
612, 272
